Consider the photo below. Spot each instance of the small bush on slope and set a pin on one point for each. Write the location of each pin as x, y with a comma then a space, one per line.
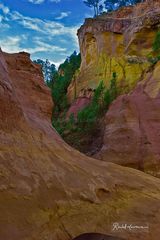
88, 117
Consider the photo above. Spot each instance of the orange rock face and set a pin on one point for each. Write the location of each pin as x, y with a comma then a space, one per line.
132, 135
120, 42
47, 189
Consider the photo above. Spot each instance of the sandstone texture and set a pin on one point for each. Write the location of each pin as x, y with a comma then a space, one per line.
82, 101
119, 42
79, 104
48, 191
132, 133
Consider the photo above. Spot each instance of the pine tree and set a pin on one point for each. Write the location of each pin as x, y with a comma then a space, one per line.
95, 4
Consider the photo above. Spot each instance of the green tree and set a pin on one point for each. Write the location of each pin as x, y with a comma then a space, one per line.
95, 4
156, 44
62, 79
88, 116
97, 98
101, 9
48, 69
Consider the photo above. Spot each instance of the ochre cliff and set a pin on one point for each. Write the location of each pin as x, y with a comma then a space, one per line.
132, 133
119, 42
47, 189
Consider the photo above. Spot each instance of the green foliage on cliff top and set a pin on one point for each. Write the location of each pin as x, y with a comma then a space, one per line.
100, 6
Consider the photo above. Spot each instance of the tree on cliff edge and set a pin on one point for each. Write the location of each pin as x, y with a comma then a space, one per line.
95, 4
108, 5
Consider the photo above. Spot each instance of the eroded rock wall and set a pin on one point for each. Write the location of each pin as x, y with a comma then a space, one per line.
132, 133
117, 42
47, 189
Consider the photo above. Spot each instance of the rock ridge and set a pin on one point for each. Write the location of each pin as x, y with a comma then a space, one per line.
47, 189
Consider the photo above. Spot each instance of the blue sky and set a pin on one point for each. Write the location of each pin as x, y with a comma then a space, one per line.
45, 28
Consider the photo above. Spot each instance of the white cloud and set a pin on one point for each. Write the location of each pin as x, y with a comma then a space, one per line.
47, 27
10, 44
36, 1
46, 39
45, 46
56, 1
3, 25
41, 1
1, 18
13, 44
4, 9
57, 63
63, 15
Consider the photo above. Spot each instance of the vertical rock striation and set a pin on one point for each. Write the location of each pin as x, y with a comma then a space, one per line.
119, 42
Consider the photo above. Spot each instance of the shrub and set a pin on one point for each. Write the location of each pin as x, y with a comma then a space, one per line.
154, 56
154, 60
156, 44
88, 117
97, 98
